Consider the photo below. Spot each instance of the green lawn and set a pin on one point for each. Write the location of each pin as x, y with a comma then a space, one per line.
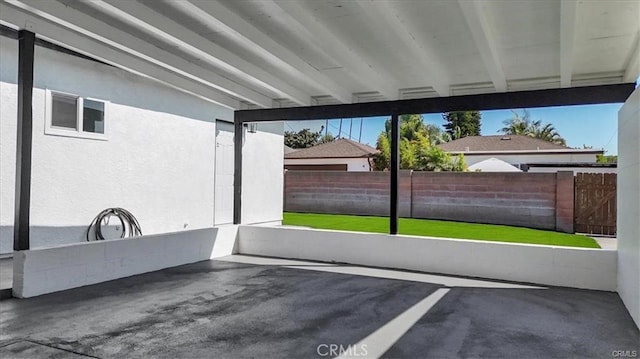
433, 228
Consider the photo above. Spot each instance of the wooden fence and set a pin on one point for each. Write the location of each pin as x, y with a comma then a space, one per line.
595, 206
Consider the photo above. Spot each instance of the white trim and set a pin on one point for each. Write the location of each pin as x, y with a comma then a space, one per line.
78, 132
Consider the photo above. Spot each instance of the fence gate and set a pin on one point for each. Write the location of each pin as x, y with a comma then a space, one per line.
595, 203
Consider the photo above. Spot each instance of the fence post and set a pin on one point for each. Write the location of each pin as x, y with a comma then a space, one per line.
565, 201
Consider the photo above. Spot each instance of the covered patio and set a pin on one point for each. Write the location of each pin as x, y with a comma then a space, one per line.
249, 288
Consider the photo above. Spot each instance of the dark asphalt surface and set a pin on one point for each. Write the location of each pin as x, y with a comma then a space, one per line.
217, 309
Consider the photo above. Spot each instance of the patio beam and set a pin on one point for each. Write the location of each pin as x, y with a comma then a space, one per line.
314, 31
473, 12
81, 40
567, 39
144, 17
217, 16
395, 174
586, 95
26, 48
385, 19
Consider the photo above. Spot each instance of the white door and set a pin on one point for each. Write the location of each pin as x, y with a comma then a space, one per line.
223, 211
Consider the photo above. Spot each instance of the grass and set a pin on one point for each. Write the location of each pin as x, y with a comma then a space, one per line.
433, 228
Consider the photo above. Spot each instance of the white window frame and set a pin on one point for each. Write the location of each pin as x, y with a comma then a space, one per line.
78, 132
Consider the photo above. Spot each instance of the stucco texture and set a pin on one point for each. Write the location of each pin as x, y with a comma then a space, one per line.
157, 160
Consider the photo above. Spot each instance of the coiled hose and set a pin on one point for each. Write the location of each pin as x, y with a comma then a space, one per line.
130, 225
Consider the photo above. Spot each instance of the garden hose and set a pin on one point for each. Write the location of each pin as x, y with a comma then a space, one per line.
130, 225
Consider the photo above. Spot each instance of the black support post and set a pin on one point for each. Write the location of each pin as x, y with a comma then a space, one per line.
395, 174
26, 47
237, 171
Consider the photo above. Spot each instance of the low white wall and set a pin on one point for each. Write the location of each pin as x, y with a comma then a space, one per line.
46, 270
629, 205
547, 265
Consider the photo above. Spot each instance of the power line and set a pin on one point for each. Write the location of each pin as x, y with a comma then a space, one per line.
615, 132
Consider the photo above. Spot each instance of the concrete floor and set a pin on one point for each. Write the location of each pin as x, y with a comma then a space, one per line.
250, 307
607, 242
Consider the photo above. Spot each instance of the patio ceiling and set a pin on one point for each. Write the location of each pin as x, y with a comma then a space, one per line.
266, 53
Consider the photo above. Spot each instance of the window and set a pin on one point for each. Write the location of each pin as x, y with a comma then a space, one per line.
75, 116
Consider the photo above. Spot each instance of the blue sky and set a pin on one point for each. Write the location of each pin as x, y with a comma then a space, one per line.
591, 125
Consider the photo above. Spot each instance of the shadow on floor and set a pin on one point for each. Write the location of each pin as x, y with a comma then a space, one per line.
239, 310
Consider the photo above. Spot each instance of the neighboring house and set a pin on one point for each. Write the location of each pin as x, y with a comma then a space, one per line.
519, 151
104, 137
340, 155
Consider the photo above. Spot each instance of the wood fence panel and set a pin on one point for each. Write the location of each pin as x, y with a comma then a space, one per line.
595, 203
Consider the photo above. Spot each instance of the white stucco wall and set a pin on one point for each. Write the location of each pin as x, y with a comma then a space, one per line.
46, 270
158, 161
353, 164
586, 268
517, 159
8, 114
629, 205
263, 177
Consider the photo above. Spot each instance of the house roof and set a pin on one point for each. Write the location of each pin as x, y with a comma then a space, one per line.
288, 149
342, 148
506, 143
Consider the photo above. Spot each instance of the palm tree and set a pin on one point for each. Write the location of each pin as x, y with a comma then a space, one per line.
547, 133
517, 125
523, 125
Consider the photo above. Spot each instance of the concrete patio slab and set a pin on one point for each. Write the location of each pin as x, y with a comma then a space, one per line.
224, 309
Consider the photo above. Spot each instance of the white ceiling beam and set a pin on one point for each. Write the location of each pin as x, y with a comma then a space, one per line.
567, 40
243, 32
100, 31
309, 29
633, 65
384, 17
481, 32
59, 34
142, 17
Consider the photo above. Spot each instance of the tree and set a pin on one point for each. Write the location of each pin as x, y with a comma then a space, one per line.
517, 125
462, 123
606, 159
547, 133
523, 125
326, 138
306, 138
418, 147
382, 160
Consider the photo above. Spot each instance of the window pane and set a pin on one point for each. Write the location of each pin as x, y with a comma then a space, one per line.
93, 116
64, 111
